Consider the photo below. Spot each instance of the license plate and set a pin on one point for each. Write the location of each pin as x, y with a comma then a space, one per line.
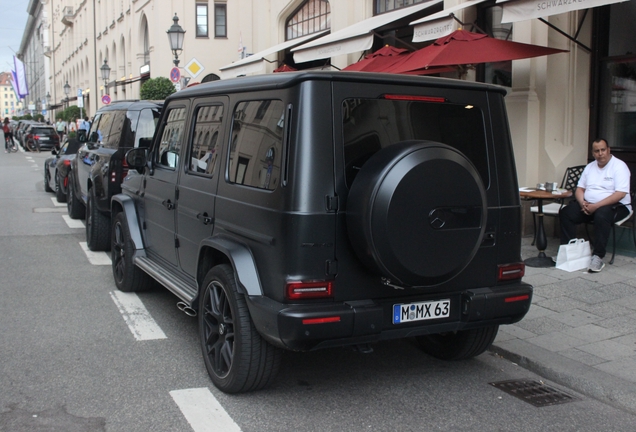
409, 312
44, 138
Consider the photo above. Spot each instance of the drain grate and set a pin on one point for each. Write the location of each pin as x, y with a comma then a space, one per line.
534, 392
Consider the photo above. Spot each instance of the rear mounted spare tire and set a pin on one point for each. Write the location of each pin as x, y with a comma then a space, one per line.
416, 213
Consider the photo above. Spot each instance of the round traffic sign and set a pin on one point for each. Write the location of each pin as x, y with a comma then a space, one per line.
106, 99
175, 74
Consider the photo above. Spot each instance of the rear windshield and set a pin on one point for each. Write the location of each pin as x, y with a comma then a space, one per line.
43, 131
373, 124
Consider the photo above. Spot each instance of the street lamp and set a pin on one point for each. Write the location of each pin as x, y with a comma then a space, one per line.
105, 74
67, 90
175, 35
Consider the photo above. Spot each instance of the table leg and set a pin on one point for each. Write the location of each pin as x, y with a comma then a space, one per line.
541, 241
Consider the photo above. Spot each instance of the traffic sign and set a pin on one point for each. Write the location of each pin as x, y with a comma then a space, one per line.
105, 99
175, 74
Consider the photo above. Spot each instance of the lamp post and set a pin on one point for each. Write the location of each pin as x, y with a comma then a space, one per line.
105, 69
175, 36
67, 90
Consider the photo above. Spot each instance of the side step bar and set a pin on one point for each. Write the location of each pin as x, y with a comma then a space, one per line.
186, 290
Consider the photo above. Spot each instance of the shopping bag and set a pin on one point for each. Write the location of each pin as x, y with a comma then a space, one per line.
575, 255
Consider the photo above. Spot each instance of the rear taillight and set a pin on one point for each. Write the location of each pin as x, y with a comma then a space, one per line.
37, 137
67, 162
511, 271
124, 169
309, 290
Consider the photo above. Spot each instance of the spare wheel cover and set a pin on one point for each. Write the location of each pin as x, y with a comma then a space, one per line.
417, 213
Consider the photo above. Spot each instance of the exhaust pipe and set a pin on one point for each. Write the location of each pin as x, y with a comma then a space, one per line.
186, 309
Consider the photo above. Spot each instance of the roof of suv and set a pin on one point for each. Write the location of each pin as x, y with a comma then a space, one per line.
131, 105
288, 79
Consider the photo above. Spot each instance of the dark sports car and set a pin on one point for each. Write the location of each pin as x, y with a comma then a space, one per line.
56, 168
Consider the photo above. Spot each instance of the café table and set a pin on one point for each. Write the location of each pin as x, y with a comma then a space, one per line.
540, 240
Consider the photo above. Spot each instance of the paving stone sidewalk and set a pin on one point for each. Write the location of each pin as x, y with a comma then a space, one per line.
581, 328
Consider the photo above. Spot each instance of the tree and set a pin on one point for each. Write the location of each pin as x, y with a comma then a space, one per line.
156, 89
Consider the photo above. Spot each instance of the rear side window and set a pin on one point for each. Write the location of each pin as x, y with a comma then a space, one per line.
205, 144
170, 145
148, 119
372, 124
103, 128
119, 123
257, 142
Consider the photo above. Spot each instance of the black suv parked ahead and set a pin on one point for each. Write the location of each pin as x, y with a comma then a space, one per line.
308, 210
99, 168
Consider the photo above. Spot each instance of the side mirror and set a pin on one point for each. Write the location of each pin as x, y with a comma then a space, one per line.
137, 158
53, 151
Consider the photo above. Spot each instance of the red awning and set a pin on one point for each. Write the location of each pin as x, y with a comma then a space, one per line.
463, 47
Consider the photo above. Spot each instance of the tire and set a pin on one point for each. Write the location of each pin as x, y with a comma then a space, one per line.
128, 277
459, 345
60, 196
76, 209
97, 226
235, 355
47, 179
416, 213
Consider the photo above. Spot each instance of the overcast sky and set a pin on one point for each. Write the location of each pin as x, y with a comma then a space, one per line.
13, 18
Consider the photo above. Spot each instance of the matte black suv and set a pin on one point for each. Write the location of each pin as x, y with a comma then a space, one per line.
308, 210
99, 168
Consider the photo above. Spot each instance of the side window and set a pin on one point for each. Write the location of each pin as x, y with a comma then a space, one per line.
93, 136
103, 129
257, 143
127, 139
170, 145
119, 124
205, 143
147, 124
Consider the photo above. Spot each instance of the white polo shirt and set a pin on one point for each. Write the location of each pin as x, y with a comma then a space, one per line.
599, 183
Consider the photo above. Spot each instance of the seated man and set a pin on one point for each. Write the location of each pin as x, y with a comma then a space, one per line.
602, 196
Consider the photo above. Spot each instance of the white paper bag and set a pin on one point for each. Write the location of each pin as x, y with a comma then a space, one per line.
575, 255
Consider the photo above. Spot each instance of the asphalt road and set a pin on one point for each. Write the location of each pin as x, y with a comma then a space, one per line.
70, 359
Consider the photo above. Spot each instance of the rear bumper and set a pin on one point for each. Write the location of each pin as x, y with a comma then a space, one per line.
300, 327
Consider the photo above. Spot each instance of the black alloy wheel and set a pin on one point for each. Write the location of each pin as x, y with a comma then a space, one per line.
235, 355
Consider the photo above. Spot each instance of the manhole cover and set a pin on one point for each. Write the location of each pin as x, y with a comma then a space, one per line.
534, 392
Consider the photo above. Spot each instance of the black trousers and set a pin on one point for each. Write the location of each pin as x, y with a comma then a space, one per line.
571, 215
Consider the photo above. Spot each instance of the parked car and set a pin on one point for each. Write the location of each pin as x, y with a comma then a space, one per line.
57, 167
21, 128
41, 137
99, 168
308, 210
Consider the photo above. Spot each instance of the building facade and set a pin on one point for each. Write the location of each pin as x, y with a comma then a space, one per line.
9, 103
556, 104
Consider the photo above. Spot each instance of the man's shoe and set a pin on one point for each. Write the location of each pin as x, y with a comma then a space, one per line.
554, 259
596, 265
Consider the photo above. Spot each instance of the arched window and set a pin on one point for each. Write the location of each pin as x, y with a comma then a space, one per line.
311, 17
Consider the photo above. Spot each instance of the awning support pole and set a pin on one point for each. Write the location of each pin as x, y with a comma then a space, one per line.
573, 39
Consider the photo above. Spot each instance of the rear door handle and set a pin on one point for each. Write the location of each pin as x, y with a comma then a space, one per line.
168, 204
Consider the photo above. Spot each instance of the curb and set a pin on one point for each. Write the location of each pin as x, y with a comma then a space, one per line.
570, 373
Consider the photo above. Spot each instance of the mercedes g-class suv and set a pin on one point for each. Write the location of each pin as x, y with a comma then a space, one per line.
307, 210
99, 168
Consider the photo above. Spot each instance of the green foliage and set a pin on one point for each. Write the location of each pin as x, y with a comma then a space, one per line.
68, 114
156, 89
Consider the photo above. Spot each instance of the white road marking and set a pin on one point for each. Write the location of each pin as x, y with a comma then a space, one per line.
49, 210
73, 223
137, 317
57, 204
203, 411
95, 258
